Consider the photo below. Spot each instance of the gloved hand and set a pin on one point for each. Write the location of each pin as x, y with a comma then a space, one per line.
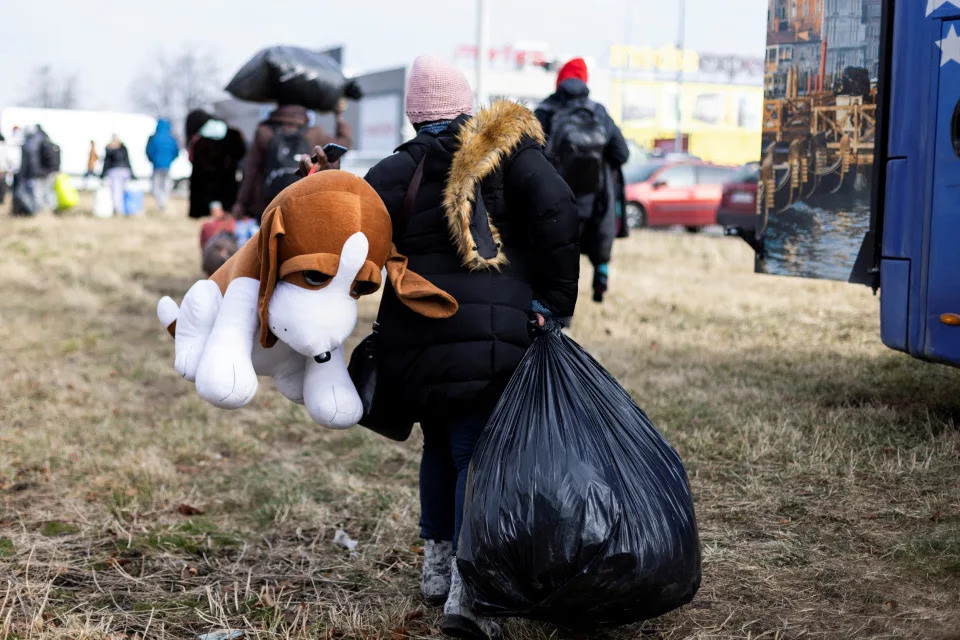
541, 318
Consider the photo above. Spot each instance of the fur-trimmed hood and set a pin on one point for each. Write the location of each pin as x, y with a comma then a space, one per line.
484, 142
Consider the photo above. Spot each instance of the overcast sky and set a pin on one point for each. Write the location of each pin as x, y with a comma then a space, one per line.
108, 42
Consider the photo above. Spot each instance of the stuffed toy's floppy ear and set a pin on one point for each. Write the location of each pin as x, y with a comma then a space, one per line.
416, 292
270, 227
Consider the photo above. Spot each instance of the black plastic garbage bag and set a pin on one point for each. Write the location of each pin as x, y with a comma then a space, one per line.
578, 511
292, 75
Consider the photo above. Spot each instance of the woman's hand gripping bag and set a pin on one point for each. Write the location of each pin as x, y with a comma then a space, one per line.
577, 511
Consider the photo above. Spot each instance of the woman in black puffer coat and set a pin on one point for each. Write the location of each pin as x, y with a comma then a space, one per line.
493, 224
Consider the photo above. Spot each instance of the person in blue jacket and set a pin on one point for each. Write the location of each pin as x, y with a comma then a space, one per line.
162, 150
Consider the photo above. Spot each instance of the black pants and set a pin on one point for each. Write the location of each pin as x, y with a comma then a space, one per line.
601, 270
447, 450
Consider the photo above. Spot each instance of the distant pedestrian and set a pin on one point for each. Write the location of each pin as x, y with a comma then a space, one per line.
117, 171
92, 159
588, 149
275, 153
14, 145
216, 150
162, 150
4, 168
39, 162
13, 151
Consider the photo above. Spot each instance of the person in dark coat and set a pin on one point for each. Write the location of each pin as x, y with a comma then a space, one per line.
117, 171
215, 152
4, 168
601, 212
33, 191
251, 201
513, 255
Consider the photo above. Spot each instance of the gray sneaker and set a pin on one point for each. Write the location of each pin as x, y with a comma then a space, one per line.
459, 620
435, 582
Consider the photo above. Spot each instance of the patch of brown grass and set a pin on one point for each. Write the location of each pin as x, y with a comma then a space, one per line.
825, 467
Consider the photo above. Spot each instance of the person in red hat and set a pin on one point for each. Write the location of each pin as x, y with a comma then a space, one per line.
576, 68
588, 150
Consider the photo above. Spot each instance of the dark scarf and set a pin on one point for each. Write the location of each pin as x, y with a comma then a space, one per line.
433, 128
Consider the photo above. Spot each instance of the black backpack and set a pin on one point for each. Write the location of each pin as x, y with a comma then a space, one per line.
577, 140
49, 155
283, 159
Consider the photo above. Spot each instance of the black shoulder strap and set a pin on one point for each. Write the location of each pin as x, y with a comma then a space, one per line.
411, 196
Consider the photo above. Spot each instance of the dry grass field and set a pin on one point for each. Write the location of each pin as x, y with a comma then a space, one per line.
826, 468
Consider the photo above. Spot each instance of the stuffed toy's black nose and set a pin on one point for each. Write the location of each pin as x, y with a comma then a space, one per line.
323, 357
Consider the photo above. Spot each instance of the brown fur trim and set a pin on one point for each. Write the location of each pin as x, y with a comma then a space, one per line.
484, 141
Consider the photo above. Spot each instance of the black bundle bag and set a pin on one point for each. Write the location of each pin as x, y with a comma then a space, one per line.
381, 411
578, 511
293, 75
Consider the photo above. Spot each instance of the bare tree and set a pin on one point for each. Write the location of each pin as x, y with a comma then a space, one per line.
50, 90
173, 86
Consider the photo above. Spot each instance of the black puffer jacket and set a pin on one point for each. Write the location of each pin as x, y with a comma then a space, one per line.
31, 158
115, 158
442, 367
598, 211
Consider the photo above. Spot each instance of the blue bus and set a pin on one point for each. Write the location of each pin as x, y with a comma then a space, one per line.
860, 171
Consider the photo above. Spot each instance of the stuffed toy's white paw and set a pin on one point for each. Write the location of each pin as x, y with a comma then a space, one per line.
226, 377
290, 384
195, 319
284, 365
329, 395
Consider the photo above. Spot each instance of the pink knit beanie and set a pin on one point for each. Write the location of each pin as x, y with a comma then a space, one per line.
436, 90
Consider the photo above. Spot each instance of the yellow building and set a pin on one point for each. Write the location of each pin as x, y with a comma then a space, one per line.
721, 100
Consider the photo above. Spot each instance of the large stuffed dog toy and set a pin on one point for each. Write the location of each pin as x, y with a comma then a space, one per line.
283, 305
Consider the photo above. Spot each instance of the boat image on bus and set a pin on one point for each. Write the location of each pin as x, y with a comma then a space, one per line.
859, 168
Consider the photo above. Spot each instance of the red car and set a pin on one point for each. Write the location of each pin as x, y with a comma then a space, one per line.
738, 206
665, 194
